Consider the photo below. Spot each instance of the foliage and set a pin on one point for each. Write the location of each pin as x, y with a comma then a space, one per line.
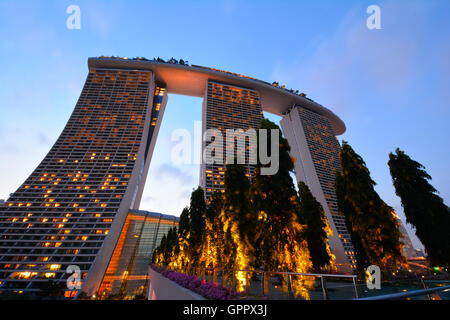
372, 224
213, 244
423, 208
206, 289
238, 225
183, 225
313, 216
196, 218
196, 227
248, 226
182, 249
279, 239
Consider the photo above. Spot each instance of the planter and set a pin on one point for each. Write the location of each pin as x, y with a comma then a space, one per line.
194, 286
161, 288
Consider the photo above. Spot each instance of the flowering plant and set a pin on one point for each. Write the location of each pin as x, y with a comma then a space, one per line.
206, 289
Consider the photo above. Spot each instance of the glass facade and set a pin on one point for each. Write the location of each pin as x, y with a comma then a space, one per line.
127, 273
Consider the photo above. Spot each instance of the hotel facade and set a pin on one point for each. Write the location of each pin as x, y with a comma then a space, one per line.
74, 207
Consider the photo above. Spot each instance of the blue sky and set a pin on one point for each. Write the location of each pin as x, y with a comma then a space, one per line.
390, 86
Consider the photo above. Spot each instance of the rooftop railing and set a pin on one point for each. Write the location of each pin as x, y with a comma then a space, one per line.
186, 63
278, 285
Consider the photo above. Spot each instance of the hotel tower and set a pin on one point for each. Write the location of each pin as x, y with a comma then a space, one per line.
316, 152
71, 209
77, 206
227, 107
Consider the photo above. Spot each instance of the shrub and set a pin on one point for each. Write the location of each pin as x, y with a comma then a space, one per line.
209, 290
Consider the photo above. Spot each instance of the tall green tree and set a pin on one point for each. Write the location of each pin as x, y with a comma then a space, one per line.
216, 202
236, 202
313, 216
372, 224
184, 223
172, 243
423, 208
213, 239
348, 210
168, 250
181, 259
159, 252
197, 211
239, 225
280, 231
280, 242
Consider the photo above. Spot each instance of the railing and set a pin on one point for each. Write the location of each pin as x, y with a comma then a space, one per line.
321, 276
322, 286
408, 294
276, 285
405, 286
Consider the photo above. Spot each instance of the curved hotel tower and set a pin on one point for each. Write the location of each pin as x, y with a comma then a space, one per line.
73, 209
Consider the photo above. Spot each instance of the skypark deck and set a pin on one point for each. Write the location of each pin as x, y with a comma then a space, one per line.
192, 80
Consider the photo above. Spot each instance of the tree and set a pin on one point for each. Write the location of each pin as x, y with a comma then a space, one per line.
313, 216
182, 249
277, 203
279, 240
197, 210
216, 202
423, 208
372, 224
238, 220
213, 239
168, 251
171, 243
348, 210
184, 225
159, 252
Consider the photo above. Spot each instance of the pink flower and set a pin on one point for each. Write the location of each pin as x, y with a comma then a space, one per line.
206, 289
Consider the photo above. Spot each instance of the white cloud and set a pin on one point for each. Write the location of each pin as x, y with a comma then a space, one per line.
168, 189
354, 56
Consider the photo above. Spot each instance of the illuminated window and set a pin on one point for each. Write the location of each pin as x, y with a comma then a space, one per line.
54, 266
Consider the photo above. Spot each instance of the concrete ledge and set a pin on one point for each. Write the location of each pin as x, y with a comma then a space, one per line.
161, 288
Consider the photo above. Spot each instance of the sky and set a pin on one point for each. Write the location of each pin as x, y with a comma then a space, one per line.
390, 86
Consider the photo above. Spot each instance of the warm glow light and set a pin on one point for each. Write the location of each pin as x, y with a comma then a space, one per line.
54, 266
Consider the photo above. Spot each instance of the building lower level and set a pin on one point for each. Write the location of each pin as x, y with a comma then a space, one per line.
127, 274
